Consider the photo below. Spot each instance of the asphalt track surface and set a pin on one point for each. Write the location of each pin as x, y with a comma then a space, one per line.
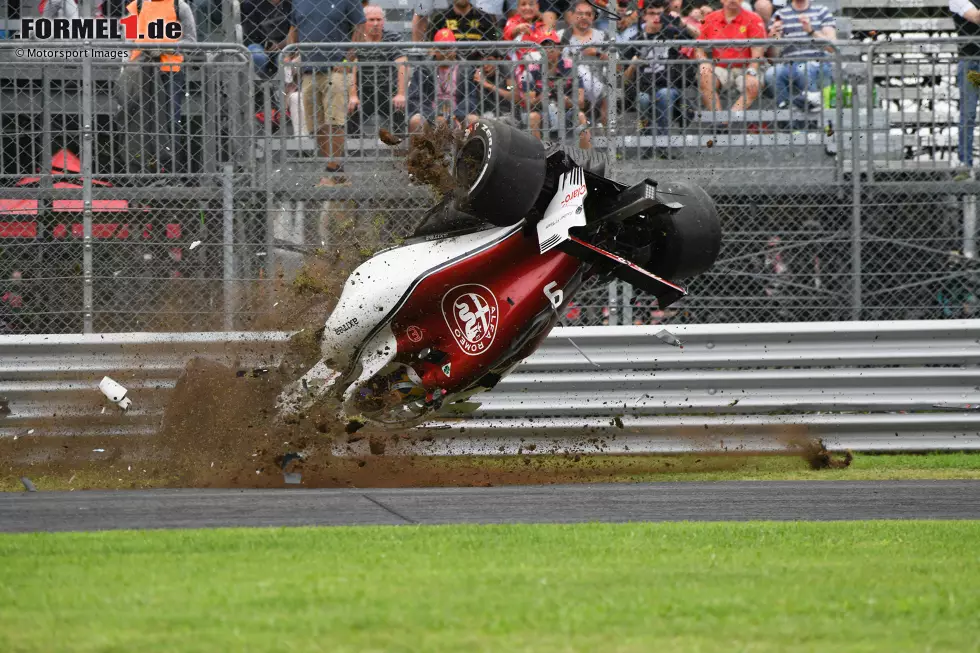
719, 501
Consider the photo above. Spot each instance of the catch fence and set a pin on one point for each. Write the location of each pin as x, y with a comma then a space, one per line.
117, 213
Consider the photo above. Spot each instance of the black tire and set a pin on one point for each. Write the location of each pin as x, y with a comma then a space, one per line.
691, 238
499, 172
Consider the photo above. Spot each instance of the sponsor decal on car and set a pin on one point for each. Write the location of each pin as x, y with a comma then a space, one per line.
414, 333
346, 326
472, 315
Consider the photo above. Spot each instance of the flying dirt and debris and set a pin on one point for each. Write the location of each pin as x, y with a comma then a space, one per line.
218, 428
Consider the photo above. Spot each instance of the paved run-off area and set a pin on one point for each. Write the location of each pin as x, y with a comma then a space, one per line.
750, 586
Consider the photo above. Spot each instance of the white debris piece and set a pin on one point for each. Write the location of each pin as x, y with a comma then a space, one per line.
196, 243
669, 338
30, 432
115, 393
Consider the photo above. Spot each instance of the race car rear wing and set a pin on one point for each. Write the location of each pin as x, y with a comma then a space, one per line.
566, 227
666, 292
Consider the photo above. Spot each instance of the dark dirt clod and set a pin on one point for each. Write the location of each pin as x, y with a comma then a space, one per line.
817, 456
377, 446
388, 138
353, 426
430, 158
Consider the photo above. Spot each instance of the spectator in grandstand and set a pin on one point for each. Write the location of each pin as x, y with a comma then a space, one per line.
441, 96
156, 93
659, 83
373, 88
543, 94
326, 86
730, 67
802, 69
59, 9
525, 23
496, 90
421, 27
584, 42
966, 18
466, 22
265, 26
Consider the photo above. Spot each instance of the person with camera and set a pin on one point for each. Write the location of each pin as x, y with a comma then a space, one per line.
802, 68
659, 74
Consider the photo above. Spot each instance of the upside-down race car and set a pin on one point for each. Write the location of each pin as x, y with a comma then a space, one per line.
423, 327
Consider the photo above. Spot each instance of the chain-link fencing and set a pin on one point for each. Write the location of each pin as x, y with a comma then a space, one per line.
120, 213
115, 186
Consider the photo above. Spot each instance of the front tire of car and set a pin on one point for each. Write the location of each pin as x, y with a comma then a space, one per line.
499, 172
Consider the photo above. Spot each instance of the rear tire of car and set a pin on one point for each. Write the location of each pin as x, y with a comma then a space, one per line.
691, 238
499, 172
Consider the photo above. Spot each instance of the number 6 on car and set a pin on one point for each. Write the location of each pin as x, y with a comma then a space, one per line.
555, 296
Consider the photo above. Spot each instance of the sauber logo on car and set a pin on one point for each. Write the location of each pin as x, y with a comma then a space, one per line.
574, 194
471, 313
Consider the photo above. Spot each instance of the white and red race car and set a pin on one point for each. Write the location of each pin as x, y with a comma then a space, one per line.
433, 322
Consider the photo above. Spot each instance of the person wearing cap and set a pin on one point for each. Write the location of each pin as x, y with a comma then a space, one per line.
554, 94
731, 67
441, 95
328, 88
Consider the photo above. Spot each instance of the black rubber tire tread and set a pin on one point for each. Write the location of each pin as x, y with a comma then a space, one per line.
503, 187
693, 234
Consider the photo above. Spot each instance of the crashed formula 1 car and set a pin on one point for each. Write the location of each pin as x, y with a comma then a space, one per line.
423, 327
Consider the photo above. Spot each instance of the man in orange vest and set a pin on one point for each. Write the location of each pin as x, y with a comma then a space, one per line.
166, 80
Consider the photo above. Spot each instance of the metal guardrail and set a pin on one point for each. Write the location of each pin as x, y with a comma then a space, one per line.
50, 382
861, 386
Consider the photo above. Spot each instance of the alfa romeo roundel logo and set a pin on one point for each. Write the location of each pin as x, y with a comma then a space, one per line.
471, 313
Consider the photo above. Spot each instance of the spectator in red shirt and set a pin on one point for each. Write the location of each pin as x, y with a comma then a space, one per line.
730, 67
525, 22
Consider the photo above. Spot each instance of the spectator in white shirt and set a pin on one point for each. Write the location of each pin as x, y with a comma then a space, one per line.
803, 69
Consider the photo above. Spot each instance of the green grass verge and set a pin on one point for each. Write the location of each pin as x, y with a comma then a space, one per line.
852, 586
592, 469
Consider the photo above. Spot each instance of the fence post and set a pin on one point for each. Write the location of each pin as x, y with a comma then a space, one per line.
270, 200
855, 213
613, 112
87, 128
228, 236
969, 226
627, 304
